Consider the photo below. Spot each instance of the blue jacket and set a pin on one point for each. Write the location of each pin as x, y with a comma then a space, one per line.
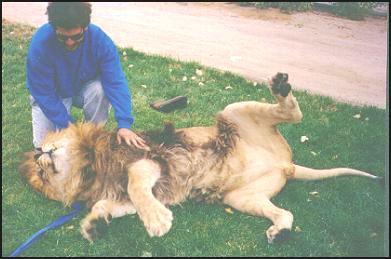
54, 73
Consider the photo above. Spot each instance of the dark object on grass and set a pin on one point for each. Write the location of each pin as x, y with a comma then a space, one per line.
175, 103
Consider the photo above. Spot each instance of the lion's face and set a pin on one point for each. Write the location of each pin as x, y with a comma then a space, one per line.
62, 169
46, 173
43, 180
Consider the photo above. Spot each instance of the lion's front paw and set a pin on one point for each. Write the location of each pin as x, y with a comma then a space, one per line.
280, 85
276, 235
93, 229
157, 220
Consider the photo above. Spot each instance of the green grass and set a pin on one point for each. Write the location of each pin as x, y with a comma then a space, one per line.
346, 219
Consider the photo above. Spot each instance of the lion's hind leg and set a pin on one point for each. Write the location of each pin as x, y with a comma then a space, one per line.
287, 109
259, 204
142, 176
101, 214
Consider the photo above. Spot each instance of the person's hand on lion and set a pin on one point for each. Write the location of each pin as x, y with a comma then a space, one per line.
131, 138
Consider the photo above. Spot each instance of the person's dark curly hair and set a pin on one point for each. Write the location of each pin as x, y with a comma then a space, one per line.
69, 15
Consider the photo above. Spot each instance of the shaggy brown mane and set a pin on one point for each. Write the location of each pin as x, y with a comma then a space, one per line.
182, 167
99, 163
225, 140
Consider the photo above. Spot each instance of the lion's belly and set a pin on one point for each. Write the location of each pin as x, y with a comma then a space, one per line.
248, 162
252, 163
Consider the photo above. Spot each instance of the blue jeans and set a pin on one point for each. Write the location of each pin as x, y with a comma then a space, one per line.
91, 99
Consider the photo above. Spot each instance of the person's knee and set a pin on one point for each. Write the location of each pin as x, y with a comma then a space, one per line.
96, 91
96, 105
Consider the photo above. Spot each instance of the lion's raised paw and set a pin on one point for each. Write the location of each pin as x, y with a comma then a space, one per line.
280, 85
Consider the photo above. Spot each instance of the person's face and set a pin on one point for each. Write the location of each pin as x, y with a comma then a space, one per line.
71, 38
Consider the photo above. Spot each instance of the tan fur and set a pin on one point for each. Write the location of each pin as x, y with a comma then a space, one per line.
242, 161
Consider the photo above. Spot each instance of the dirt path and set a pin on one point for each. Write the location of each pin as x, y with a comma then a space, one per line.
322, 54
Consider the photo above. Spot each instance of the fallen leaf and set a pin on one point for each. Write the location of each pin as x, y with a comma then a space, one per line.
200, 84
228, 87
314, 193
193, 77
298, 229
146, 254
184, 78
303, 139
313, 153
130, 66
373, 235
229, 210
143, 86
199, 72
367, 119
71, 227
357, 116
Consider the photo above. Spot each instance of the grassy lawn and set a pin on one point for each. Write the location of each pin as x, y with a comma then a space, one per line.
346, 218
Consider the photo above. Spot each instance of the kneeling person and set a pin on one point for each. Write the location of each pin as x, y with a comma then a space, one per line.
73, 62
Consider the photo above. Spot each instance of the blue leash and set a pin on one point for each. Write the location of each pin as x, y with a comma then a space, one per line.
77, 206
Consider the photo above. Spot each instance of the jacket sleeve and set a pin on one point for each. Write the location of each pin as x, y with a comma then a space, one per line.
41, 84
114, 83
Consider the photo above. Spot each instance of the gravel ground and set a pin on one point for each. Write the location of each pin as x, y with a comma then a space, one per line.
323, 54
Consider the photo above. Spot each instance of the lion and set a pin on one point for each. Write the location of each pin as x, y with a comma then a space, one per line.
242, 161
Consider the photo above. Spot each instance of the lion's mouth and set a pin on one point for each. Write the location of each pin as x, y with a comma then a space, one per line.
38, 153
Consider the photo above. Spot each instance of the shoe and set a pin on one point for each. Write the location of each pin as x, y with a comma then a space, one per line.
175, 103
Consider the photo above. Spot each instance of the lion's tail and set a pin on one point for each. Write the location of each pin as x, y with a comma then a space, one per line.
305, 173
